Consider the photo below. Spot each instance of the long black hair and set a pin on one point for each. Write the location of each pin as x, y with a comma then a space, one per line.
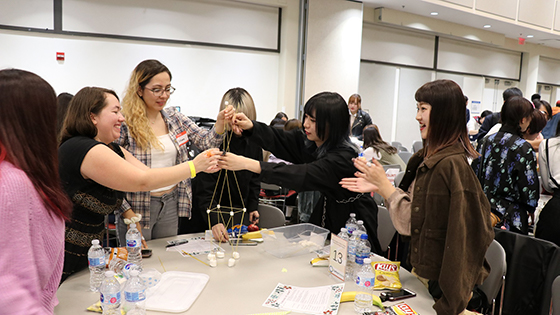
332, 121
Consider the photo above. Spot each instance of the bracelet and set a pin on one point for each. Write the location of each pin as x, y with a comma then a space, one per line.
193, 170
134, 219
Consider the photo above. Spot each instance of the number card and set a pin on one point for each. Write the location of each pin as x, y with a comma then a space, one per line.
339, 254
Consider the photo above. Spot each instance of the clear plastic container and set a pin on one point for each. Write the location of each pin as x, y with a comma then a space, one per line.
294, 240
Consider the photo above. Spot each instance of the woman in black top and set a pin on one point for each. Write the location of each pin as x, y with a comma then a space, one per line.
231, 190
358, 118
322, 156
94, 172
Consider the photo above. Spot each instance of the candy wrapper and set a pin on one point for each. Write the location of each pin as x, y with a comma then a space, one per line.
386, 275
399, 309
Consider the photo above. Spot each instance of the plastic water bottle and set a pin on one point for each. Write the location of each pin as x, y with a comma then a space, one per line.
351, 223
134, 295
361, 226
344, 234
134, 245
352, 247
96, 261
117, 265
362, 251
363, 300
366, 276
110, 294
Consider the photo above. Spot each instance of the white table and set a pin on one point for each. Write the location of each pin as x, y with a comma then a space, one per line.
241, 289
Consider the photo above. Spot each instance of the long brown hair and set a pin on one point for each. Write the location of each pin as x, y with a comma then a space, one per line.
372, 138
89, 100
28, 135
448, 122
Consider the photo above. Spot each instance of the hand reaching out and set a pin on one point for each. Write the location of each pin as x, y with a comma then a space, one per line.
207, 161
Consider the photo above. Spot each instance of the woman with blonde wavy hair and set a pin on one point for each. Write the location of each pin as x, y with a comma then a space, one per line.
159, 137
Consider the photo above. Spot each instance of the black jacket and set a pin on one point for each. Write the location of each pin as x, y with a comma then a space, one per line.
362, 119
309, 173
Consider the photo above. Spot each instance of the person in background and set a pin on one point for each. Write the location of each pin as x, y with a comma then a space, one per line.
375, 147
533, 133
358, 118
279, 116
549, 130
33, 206
159, 137
232, 191
544, 107
321, 157
494, 118
62, 101
507, 169
439, 202
549, 170
95, 172
535, 97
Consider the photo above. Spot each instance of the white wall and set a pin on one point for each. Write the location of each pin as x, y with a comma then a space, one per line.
334, 37
201, 74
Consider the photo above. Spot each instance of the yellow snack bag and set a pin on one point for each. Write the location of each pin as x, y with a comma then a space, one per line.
386, 275
403, 309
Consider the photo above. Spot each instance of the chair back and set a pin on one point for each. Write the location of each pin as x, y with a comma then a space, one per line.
496, 257
396, 144
399, 178
385, 228
397, 166
405, 156
556, 296
270, 216
416, 146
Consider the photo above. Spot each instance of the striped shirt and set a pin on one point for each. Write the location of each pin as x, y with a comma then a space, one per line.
182, 130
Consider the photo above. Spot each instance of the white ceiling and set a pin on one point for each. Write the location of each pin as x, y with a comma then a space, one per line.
510, 30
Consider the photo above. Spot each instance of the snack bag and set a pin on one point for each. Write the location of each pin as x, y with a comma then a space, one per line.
401, 309
117, 252
386, 275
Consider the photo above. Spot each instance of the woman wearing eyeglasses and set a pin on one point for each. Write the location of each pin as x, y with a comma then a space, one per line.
158, 137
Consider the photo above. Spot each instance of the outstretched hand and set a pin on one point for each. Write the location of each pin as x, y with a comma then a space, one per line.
207, 161
225, 117
240, 122
359, 185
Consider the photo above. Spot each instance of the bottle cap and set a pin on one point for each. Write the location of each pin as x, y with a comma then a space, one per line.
343, 230
367, 261
360, 222
352, 215
363, 236
94, 242
132, 225
109, 273
134, 273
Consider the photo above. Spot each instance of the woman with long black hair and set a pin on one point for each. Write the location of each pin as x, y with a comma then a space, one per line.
321, 156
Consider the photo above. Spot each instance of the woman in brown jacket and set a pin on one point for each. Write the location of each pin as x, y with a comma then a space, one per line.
439, 203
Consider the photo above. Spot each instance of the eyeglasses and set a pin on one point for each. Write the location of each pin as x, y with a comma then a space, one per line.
159, 92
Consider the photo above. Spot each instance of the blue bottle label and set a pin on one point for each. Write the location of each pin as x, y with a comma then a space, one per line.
112, 299
132, 243
135, 296
97, 261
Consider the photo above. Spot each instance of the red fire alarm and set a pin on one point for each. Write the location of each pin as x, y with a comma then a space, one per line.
60, 56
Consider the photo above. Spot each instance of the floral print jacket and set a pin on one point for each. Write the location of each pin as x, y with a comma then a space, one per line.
507, 171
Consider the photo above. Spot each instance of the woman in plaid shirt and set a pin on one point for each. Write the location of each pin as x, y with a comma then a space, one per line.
158, 137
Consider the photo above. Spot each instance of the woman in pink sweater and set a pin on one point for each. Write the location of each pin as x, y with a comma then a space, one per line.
33, 205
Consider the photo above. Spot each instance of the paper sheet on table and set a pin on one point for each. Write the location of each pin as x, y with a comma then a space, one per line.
195, 247
314, 300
